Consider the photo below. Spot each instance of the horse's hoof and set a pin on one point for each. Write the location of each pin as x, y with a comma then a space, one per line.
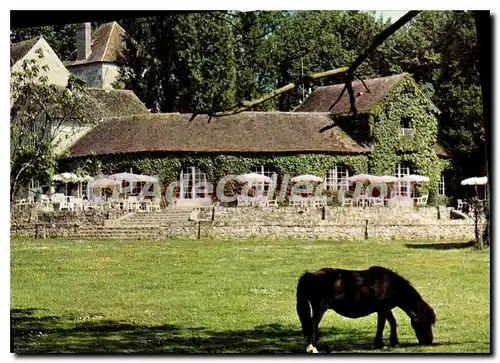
311, 349
378, 346
395, 344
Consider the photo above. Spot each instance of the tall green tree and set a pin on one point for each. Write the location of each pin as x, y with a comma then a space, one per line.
439, 49
191, 61
313, 41
61, 38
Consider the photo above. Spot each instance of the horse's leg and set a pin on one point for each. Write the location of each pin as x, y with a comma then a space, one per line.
393, 339
317, 314
381, 316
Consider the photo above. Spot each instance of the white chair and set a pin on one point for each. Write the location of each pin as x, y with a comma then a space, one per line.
421, 201
320, 202
377, 201
347, 202
242, 201
272, 202
460, 204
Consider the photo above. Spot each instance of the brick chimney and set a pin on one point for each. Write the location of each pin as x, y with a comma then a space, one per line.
83, 41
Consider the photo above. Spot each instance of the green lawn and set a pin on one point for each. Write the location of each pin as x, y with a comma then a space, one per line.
185, 296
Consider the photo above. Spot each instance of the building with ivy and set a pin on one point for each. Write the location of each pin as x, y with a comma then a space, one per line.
394, 133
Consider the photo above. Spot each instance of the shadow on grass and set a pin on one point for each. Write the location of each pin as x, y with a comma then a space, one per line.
51, 334
441, 246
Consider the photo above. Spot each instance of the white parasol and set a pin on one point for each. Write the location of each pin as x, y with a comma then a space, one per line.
367, 177
306, 178
389, 179
66, 177
102, 183
475, 181
413, 178
253, 177
130, 177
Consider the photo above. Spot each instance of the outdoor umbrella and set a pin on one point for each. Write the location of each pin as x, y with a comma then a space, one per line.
102, 183
66, 178
306, 178
366, 177
85, 178
253, 177
389, 179
130, 177
412, 178
475, 181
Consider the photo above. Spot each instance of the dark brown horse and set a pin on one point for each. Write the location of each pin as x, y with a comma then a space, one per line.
355, 294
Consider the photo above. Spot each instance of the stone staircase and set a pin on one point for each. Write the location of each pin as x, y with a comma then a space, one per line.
152, 225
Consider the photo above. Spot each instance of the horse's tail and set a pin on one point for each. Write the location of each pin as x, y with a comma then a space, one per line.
303, 308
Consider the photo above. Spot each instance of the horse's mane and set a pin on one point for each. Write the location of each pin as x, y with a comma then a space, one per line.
410, 291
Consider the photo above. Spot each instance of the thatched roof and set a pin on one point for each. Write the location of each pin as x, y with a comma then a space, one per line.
323, 99
440, 150
108, 43
19, 50
245, 132
114, 103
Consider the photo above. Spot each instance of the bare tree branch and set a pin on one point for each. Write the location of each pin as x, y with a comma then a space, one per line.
379, 39
248, 104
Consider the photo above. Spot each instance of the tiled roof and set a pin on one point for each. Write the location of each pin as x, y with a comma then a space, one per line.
108, 43
114, 103
440, 150
19, 50
323, 99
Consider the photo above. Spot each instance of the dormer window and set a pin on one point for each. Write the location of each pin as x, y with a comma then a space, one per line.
406, 126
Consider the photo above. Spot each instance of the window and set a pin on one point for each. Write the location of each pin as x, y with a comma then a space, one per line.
337, 178
193, 183
441, 189
402, 188
406, 126
264, 170
137, 188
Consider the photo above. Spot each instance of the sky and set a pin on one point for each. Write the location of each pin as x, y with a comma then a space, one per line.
393, 14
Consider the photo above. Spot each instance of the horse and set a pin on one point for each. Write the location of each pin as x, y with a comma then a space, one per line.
356, 294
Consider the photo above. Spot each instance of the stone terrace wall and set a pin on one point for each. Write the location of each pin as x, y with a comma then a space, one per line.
339, 223
332, 223
29, 221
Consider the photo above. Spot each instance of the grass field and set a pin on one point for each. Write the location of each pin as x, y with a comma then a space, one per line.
183, 296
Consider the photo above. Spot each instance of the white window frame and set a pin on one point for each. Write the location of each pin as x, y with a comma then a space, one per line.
337, 178
406, 131
263, 170
403, 188
442, 186
195, 175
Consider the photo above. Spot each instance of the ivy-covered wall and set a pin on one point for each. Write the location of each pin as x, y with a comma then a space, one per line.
405, 100
168, 165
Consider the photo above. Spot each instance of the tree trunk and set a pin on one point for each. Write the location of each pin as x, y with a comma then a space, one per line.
483, 29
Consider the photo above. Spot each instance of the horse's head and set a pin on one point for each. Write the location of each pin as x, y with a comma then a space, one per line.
422, 322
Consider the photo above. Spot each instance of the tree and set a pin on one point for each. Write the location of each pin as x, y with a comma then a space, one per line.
190, 63
38, 112
439, 49
314, 41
